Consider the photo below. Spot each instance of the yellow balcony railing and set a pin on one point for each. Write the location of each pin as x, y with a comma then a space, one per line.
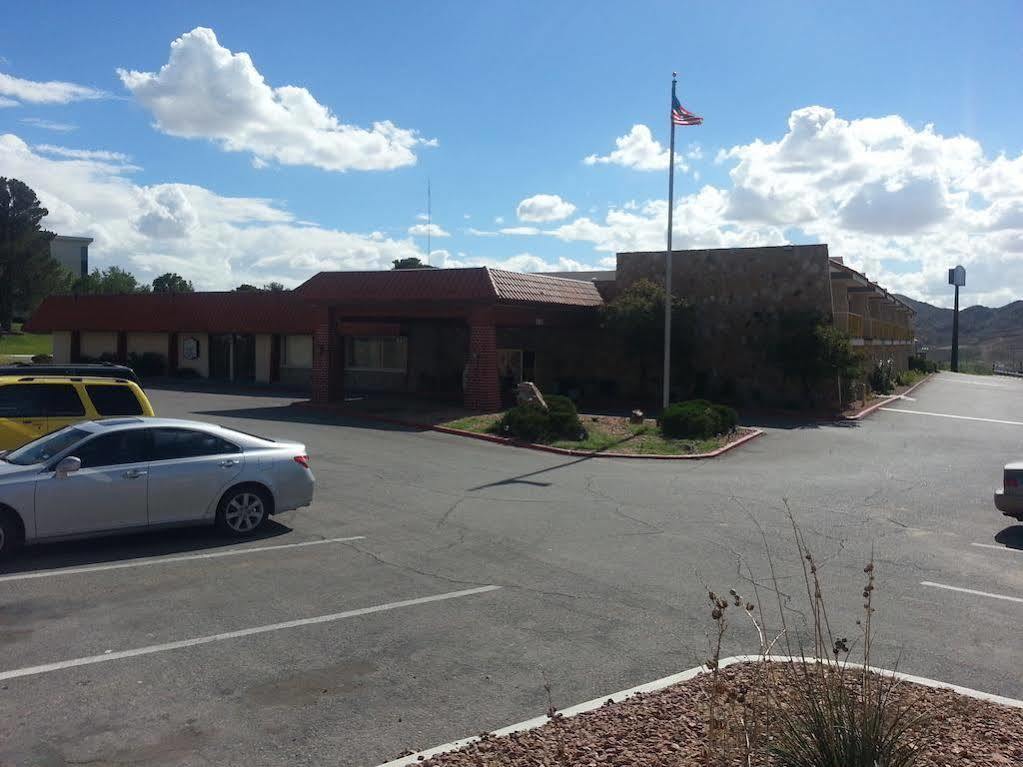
850, 323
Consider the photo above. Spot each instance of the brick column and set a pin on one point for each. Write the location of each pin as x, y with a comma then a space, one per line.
483, 390
322, 338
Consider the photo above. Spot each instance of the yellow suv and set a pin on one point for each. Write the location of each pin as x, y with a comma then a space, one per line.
31, 406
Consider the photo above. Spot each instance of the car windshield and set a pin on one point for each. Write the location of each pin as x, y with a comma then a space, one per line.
44, 448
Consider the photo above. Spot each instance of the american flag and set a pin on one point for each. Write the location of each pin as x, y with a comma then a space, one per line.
682, 116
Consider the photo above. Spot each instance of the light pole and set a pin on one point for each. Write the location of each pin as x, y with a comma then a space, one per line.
956, 277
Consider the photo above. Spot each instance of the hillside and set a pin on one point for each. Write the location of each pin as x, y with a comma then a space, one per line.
991, 335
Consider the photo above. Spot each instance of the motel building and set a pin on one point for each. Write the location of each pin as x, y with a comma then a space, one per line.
471, 334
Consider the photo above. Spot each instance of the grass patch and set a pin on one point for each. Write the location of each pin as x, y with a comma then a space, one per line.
612, 434
26, 343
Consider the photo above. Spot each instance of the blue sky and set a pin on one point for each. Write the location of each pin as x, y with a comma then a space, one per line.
516, 97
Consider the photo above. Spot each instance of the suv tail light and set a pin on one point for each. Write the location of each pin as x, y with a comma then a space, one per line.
302, 460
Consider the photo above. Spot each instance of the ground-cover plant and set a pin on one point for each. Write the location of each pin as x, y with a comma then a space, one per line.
697, 419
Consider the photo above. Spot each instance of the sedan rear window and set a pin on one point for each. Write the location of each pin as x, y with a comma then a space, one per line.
114, 400
169, 444
44, 448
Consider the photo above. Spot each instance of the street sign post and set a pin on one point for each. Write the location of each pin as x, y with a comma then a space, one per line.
956, 277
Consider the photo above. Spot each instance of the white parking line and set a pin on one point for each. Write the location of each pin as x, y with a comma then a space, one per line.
996, 546
947, 415
170, 560
109, 656
971, 591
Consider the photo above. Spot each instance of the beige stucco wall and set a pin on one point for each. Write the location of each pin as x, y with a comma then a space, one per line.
95, 344
142, 343
62, 346
263, 344
202, 364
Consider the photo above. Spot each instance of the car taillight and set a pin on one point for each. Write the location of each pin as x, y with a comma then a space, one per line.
302, 460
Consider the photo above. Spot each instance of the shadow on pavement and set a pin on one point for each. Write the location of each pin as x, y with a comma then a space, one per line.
1011, 537
306, 416
116, 548
207, 386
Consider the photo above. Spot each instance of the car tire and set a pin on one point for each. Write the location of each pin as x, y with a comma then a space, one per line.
243, 510
11, 534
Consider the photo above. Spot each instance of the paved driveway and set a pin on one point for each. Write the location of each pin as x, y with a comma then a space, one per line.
364, 625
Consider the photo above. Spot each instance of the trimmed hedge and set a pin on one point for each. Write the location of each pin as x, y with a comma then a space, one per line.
697, 419
531, 423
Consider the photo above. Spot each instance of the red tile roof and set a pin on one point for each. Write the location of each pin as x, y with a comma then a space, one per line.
399, 285
294, 311
472, 284
250, 312
541, 289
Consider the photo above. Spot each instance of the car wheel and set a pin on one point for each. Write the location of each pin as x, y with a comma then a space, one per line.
243, 510
10, 535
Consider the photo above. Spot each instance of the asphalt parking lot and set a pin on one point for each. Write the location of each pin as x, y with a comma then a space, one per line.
437, 583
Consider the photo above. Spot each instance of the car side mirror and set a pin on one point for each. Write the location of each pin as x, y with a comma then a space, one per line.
68, 465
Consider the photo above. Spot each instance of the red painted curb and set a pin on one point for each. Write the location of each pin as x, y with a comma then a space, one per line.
532, 445
878, 405
596, 453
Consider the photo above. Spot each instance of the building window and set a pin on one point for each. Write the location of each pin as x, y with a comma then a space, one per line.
84, 261
388, 354
297, 352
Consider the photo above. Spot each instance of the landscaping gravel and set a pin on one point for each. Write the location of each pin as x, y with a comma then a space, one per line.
669, 727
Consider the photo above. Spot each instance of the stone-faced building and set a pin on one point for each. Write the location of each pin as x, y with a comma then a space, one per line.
737, 295
472, 334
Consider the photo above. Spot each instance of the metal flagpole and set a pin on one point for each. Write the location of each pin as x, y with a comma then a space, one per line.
667, 254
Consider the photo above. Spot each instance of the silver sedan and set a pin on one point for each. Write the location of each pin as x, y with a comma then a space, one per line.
121, 474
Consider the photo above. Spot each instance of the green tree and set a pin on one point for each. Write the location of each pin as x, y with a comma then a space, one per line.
245, 287
812, 350
28, 272
636, 316
172, 282
109, 281
274, 287
412, 262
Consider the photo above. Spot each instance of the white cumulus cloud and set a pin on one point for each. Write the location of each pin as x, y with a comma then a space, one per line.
216, 241
544, 207
421, 230
207, 91
52, 92
639, 150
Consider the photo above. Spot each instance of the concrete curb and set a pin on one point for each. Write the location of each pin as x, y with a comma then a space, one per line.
684, 676
532, 445
596, 453
878, 405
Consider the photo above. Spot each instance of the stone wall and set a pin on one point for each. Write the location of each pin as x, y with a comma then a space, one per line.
735, 294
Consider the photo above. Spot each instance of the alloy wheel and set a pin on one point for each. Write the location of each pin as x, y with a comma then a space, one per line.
244, 512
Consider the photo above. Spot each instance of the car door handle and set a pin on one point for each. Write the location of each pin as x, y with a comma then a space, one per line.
228, 463
134, 473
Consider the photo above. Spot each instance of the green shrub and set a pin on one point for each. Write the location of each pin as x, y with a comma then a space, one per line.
563, 417
531, 423
697, 419
882, 377
923, 365
186, 372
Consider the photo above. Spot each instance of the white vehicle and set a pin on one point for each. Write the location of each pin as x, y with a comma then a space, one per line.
129, 474
1009, 500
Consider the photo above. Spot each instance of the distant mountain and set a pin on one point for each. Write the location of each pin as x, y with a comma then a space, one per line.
991, 335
